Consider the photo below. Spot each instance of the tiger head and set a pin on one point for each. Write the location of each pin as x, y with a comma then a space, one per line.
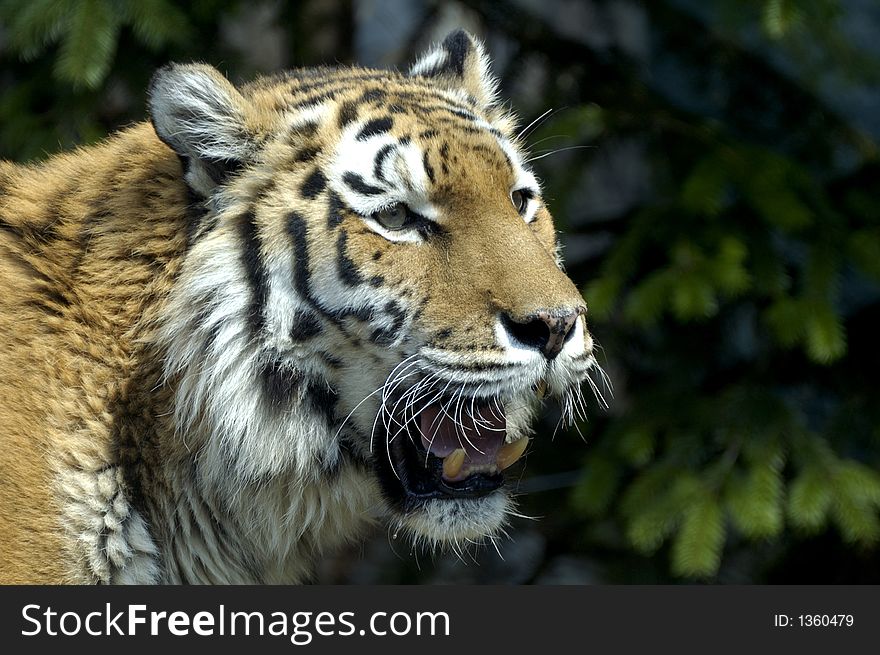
374, 284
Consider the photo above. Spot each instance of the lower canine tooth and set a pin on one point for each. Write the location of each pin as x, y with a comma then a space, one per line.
510, 452
453, 462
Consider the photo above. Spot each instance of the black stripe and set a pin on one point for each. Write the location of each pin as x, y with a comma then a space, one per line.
423, 102
254, 269
352, 453
296, 227
386, 336
304, 131
298, 231
363, 314
356, 182
328, 77
315, 100
56, 296
306, 94
429, 170
302, 280
323, 399
468, 116
428, 228
330, 463
314, 184
196, 212
46, 306
444, 157
379, 160
458, 46
280, 384
306, 154
427, 104
347, 113
474, 366
220, 170
507, 161
331, 360
305, 326
373, 95
212, 332
37, 234
334, 211
347, 269
375, 127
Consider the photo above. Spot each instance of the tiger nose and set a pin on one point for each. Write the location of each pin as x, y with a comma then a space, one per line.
545, 330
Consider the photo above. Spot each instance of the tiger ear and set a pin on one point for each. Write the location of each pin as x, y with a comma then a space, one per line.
460, 62
200, 115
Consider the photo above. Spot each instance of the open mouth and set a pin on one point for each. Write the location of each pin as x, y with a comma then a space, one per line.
448, 450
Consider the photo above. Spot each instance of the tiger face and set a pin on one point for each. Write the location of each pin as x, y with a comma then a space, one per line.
374, 285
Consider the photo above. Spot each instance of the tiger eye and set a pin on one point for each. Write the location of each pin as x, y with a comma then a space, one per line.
520, 201
393, 217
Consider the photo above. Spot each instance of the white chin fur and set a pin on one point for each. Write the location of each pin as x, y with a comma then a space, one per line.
450, 522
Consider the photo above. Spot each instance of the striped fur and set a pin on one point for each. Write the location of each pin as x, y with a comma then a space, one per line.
205, 315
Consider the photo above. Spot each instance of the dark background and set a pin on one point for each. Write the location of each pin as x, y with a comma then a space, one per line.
713, 167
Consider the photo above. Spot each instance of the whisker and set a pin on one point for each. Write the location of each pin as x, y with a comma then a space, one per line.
558, 150
549, 138
535, 124
345, 420
457, 413
392, 381
596, 392
519, 515
494, 543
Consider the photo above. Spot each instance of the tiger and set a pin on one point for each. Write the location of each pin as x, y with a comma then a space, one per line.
242, 332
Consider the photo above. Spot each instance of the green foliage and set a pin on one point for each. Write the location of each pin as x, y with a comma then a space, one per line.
88, 43
809, 499
691, 286
864, 248
696, 551
655, 503
754, 499
597, 487
856, 501
34, 25
806, 30
780, 17
87, 32
729, 303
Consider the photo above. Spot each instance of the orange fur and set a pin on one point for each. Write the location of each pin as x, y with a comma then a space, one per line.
82, 270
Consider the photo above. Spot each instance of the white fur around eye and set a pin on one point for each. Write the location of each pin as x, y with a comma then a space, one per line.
397, 236
531, 210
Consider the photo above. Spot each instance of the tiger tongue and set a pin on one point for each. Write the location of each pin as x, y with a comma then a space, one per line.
481, 436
